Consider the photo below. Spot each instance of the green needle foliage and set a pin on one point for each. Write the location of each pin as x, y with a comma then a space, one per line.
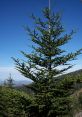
42, 64
14, 103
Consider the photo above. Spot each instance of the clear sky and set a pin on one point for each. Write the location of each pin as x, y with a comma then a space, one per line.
14, 14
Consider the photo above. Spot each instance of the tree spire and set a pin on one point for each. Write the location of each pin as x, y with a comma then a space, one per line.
49, 4
49, 13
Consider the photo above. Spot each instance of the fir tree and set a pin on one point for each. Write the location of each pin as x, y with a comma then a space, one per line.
42, 65
9, 82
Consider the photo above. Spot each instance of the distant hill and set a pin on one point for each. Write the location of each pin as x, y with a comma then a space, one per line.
77, 73
18, 82
74, 74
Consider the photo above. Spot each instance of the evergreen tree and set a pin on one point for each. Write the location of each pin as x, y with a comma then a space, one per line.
42, 65
9, 82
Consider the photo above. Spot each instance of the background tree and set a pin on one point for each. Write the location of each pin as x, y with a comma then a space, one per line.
9, 82
42, 65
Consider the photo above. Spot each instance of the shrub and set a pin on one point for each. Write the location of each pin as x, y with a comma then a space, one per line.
14, 103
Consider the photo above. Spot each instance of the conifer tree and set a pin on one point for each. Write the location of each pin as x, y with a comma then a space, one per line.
9, 82
42, 65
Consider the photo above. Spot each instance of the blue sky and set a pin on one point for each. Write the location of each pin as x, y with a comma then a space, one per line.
14, 14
